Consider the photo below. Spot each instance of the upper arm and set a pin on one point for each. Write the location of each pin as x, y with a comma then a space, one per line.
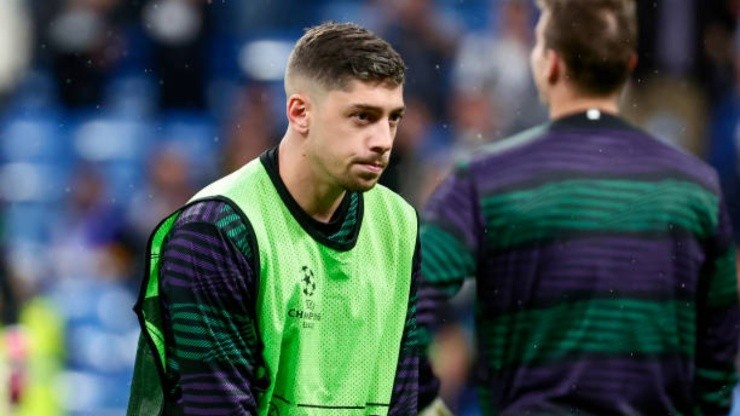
208, 291
449, 234
718, 321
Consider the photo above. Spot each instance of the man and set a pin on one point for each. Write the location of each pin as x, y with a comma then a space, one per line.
603, 258
289, 286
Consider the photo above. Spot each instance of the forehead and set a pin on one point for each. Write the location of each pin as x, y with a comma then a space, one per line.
382, 94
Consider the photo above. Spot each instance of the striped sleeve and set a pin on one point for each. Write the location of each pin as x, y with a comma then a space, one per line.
449, 242
208, 295
414, 386
718, 322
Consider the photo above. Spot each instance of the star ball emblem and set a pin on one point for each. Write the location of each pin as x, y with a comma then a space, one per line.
308, 280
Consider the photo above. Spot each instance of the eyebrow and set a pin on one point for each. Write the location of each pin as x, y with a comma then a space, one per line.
376, 109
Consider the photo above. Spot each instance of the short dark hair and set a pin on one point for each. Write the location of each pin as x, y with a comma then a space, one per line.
335, 53
596, 39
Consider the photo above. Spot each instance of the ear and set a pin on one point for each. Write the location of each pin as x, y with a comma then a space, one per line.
554, 66
296, 109
632, 63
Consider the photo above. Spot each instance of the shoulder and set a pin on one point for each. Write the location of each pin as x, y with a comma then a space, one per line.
235, 181
489, 153
383, 193
212, 211
517, 141
391, 205
216, 217
685, 164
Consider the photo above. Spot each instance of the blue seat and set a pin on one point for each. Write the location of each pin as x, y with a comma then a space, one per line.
123, 179
117, 146
108, 138
34, 182
27, 223
35, 92
350, 11
101, 337
197, 135
131, 95
37, 137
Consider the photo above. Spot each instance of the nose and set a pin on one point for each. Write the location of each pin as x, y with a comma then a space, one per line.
381, 140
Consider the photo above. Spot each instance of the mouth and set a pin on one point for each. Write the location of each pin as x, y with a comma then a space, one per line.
375, 166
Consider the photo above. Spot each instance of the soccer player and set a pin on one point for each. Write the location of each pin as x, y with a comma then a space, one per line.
603, 258
289, 286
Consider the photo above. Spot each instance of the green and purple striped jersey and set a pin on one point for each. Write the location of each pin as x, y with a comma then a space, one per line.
604, 267
208, 297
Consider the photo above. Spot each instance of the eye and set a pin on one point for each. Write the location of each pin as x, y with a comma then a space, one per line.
395, 118
363, 117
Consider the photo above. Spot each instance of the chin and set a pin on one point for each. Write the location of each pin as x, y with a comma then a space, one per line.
361, 185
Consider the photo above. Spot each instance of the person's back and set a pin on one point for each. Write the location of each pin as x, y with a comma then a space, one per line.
588, 275
603, 258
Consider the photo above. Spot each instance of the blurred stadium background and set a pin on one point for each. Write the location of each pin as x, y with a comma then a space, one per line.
113, 112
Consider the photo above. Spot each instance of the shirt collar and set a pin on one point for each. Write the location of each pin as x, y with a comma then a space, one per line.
590, 119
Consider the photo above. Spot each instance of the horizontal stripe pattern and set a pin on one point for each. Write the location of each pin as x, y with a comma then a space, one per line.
587, 154
631, 384
517, 217
604, 272
617, 326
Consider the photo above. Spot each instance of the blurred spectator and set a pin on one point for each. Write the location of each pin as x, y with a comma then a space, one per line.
495, 64
724, 142
89, 224
82, 42
683, 68
10, 296
427, 40
179, 31
672, 109
719, 48
413, 169
243, 18
167, 188
15, 44
252, 126
100, 333
36, 347
11, 353
680, 40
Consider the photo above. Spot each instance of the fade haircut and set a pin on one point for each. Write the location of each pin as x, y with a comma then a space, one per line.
333, 54
595, 38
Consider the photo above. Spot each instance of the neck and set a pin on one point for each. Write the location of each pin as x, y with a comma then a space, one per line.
319, 200
566, 102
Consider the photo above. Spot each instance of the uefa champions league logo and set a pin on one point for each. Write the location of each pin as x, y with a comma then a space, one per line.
308, 280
